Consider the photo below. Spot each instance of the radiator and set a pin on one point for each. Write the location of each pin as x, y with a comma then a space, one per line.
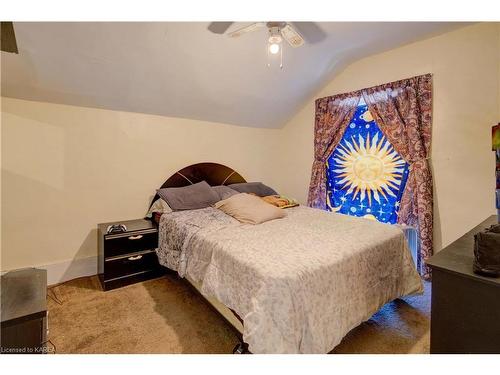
411, 236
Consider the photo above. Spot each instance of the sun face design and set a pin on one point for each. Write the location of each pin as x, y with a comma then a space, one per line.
368, 167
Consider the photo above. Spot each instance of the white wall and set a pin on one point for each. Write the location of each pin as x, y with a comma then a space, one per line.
465, 64
66, 168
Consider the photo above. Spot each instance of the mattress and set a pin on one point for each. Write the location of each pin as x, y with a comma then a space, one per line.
300, 283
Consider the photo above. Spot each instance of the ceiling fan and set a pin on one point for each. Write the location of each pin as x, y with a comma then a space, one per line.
8, 37
277, 32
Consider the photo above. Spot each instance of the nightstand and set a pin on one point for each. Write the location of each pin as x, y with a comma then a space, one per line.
128, 257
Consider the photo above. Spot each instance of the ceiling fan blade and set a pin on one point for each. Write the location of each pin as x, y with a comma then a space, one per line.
8, 38
219, 27
292, 36
310, 31
246, 29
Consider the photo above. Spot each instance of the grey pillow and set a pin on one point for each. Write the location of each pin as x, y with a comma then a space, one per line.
224, 192
190, 197
258, 188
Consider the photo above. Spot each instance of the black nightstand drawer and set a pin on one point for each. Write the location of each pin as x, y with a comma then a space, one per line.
115, 245
135, 278
130, 264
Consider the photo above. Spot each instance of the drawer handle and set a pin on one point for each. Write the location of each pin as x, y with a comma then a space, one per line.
138, 237
135, 258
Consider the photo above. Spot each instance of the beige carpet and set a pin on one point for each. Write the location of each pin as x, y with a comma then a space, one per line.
165, 316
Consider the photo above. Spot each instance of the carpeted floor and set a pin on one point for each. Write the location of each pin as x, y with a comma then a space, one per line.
165, 316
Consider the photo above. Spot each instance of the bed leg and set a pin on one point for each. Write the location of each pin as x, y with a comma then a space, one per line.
241, 348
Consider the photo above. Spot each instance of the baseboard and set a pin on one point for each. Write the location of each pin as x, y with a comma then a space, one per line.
70, 269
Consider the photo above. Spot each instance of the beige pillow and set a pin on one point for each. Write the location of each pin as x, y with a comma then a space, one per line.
249, 209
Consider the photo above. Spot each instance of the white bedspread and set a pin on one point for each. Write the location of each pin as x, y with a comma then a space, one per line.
300, 283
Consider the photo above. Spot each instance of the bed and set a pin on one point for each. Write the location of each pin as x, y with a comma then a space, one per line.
292, 285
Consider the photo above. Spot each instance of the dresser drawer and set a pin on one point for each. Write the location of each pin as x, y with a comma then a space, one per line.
130, 264
130, 243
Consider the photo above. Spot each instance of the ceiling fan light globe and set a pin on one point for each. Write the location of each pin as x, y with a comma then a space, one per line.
275, 39
274, 48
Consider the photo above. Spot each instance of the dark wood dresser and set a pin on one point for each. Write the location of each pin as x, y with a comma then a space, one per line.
465, 316
24, 312
128, 257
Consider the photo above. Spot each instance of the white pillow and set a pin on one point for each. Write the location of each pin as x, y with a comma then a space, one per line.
159, 206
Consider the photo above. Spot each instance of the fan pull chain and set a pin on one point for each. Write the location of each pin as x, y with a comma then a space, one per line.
268, 56
281, 56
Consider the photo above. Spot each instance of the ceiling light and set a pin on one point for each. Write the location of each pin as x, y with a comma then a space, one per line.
274, 48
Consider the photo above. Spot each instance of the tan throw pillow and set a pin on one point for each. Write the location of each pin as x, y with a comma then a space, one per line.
249, 209
280, 201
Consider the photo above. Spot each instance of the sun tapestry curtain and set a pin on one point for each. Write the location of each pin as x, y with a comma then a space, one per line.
402, 110
333, 114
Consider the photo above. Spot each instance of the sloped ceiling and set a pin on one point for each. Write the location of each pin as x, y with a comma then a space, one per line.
182, 70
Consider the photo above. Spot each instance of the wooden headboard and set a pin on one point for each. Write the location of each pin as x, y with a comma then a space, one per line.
214, 174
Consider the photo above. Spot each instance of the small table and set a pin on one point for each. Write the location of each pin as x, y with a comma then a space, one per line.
24, 312
465, 312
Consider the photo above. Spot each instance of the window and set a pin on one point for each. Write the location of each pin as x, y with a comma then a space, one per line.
366, 177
